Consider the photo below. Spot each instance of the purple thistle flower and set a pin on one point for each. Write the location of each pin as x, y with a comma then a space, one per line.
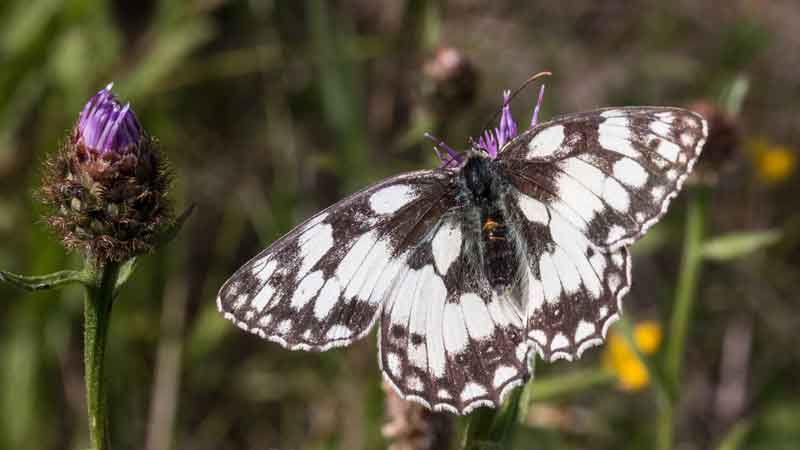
106, 126
106, 187
493, 140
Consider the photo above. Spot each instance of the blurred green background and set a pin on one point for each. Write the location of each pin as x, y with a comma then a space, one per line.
271, 110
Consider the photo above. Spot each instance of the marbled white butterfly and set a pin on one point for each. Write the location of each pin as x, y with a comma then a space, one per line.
517, 244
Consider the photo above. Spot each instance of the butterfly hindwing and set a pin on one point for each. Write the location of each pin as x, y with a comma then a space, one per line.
323, 284
573, 289
611, 172
445, 339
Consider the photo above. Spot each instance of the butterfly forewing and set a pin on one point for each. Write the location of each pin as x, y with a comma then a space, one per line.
323, 284
611, 172
446, 340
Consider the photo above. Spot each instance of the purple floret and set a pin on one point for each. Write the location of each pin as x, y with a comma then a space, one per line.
493, 140
105, 125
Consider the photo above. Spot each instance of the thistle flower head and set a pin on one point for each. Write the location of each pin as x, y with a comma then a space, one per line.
105, 125
106, 187
490, 141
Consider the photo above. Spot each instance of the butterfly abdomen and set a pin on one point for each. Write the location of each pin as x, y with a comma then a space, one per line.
485, 188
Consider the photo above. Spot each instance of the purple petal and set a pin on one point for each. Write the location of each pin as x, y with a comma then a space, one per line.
105, 125
453, 157
535, 118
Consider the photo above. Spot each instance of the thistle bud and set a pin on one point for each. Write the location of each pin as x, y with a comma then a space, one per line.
450, 81
106, 187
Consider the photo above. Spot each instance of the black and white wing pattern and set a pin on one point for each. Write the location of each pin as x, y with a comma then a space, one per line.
323, 284
470, 267
446, 339
584, 186
611, 172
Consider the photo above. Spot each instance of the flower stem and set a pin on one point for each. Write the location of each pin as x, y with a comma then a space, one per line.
687, 285
99, 298
681, 314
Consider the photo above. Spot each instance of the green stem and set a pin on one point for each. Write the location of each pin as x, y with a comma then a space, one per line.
493, 429
687, 284
99, 298
562, 385
681, 315
665, 425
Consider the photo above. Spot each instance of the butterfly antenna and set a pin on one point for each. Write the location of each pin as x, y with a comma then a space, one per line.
516, 91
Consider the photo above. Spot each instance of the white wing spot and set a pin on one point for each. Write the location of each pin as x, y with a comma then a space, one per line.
436, 294
614, 281
313, 221
687, 139
630, 172
338, 332
616, 195
285, 326
534, 210
503, 374
365, 277
570, 278
327, 298
550, 280
614, 135
669, 150
598, 262
472, 390
584, 330
476, 315
414, 383
418, 355
307, 289
615, 233
263, 297
539, 336
443, 394
264, 274
455, 332
661, 128
446, 246
392, 198
521, 351
559, 341
546, 143
535, 293
355, 257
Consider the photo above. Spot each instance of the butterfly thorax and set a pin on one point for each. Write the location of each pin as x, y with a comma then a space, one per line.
483, 188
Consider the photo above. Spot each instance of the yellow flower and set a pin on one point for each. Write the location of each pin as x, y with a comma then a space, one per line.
774, 163
620, 359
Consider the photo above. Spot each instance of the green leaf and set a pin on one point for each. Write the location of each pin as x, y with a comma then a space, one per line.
125, 271
558, 386
44, 282
736, 245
